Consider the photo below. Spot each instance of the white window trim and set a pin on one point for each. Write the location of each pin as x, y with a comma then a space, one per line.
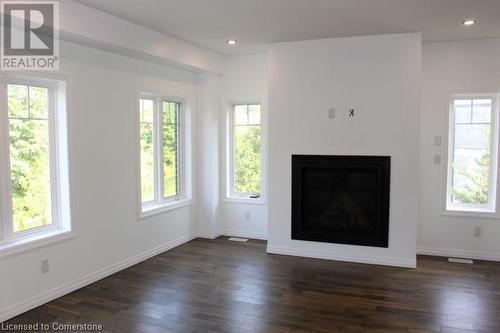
34, 242
60, 228
490, 211
163, 204
230, 195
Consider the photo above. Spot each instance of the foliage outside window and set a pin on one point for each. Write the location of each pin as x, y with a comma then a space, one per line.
472, 154
146, 148
29, 156
170, 132
246, 150
159, 150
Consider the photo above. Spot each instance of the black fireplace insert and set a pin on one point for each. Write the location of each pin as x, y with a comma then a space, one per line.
341, 199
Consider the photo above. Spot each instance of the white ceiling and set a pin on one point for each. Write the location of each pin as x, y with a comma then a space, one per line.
254, 23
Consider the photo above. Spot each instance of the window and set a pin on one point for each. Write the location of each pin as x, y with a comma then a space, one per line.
161, 151
472, 156
245, 151
33, 177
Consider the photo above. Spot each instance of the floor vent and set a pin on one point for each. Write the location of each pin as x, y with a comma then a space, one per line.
461, 261
237, 239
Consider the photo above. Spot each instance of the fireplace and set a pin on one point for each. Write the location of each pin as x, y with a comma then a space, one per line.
341, 199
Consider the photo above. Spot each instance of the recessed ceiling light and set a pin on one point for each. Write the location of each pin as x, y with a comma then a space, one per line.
231, 42
469, 22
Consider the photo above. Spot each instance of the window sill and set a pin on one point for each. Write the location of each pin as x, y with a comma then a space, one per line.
33, 242
245, 200
471, 214
165, 207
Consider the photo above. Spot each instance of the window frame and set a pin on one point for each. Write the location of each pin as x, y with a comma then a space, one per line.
490, 210
60, 226
231, 194
160, 203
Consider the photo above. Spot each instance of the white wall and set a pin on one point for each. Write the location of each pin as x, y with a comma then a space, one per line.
245, 80
208, 147
448, 68
104, 177
379, 76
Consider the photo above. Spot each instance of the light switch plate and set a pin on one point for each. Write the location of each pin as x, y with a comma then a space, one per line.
437, 140
45, 266
331, 113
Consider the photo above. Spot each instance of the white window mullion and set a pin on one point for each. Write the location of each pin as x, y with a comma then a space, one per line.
156, 148
233, 152
178, 152
55, 188
493, 189
161, 172
6, 222
230, 164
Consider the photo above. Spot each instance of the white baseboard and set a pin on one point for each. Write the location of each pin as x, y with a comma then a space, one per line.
397, 262
31, 303
244, 234
478, 255
209, 234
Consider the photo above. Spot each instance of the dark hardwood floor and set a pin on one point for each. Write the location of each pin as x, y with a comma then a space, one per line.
223, 286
